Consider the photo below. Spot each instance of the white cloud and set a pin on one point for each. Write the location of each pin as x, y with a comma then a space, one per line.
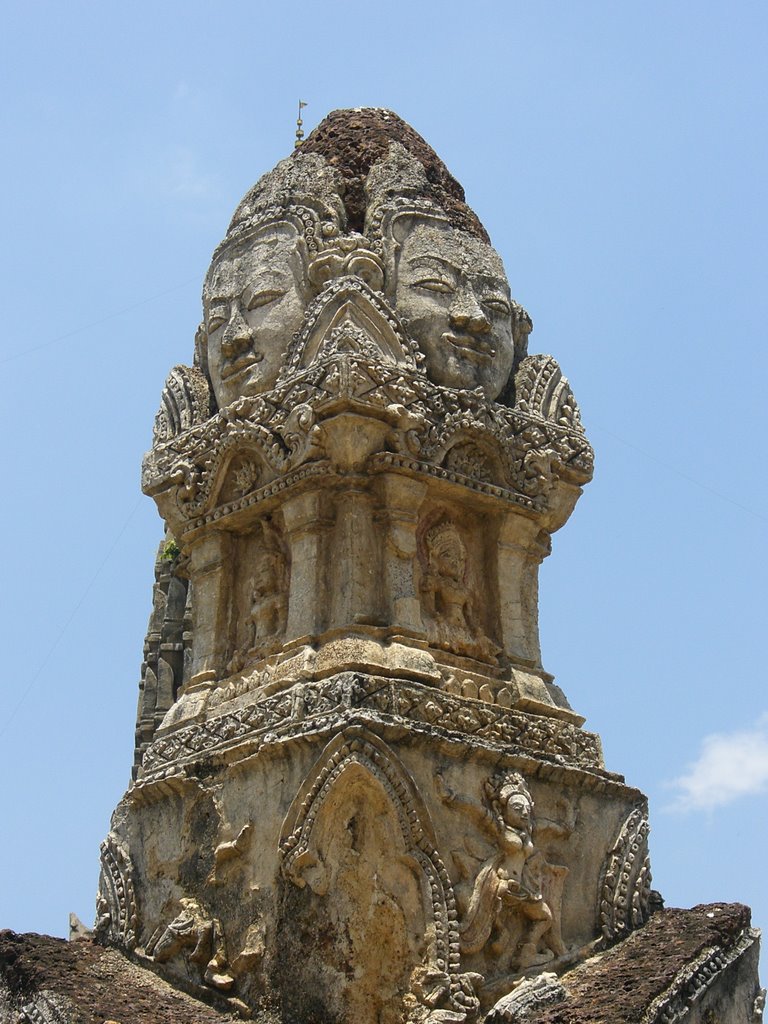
731, 765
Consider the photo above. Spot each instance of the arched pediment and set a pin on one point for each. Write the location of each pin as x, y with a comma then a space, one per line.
360, 747
241, 466
476, 457
349, 318
186, 402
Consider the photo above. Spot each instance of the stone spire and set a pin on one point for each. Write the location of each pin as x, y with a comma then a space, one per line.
361, 797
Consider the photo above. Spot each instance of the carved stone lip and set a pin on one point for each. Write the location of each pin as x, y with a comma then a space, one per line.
240, 365
474, 348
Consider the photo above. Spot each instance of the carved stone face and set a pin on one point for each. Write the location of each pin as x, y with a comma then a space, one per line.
516, 810
253, 303
447, 556
453, 290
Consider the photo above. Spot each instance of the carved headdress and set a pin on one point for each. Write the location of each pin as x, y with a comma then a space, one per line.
500, 788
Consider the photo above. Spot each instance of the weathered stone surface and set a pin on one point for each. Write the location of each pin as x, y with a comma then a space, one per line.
359, 796
693, 966
352, 142
697, 966
50, 981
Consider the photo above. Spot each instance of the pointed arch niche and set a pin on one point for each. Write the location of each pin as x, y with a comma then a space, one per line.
369, 902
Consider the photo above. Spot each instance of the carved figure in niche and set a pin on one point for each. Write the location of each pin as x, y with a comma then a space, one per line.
193, 929
269, 597
253, 301
507, 896
446, 593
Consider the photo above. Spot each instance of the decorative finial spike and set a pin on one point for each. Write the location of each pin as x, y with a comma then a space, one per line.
299, 123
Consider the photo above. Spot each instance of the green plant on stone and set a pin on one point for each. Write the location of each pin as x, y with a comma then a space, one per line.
171, 550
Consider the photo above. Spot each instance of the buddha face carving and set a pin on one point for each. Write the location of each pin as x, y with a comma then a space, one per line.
253, 302
453, 290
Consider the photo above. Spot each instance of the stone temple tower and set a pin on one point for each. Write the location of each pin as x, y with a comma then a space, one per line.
359, 797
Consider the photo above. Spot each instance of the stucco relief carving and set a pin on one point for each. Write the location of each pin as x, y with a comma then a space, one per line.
359, 832
527, 999
453, 292
507, 917
548, 738
198, 939
448, 601
228, 852
266, 595
116, 912
426, 423
270, 598
186, 402
625, 896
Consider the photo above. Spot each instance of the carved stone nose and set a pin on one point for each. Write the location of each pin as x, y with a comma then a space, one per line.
467, 314
237, 335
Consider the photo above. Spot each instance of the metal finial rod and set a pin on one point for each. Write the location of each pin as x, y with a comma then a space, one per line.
299, 123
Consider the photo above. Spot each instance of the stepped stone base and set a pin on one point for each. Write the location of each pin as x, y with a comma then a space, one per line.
695, 966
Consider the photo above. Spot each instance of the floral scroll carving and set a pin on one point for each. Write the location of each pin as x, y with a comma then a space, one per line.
117, 917
625, 900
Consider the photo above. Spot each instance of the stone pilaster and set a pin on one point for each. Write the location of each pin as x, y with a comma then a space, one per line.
519, 556
354, 593
307, 522
402, 497
210, 574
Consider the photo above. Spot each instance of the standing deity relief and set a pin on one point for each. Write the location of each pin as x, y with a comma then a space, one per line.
448, 601
262, 612
507, 916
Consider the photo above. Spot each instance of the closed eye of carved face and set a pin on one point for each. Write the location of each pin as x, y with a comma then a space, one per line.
432, 283
255, 299
497, 305
218, 315
493, 302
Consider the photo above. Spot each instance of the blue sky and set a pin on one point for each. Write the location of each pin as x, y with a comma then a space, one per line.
617, 155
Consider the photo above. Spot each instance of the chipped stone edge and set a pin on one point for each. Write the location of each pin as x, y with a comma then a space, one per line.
692, 981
